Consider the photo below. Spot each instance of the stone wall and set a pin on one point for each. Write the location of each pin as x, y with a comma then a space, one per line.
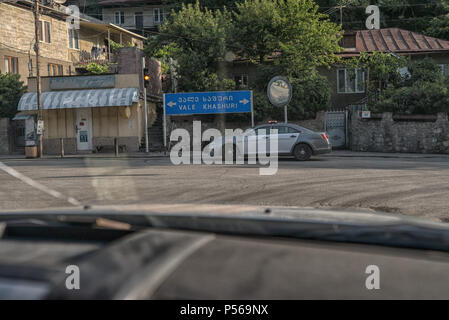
386, 134
5, 143
17, 39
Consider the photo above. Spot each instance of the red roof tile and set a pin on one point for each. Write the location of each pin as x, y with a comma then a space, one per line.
394, 40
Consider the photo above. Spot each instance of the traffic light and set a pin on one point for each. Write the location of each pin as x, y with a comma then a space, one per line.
146, 78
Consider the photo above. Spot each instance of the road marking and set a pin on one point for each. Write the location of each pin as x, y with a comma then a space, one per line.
37, 185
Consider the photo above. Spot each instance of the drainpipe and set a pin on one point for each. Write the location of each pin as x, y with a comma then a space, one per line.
38, 77
109, 45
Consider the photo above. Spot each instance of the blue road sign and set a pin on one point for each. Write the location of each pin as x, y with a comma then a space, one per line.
207, 102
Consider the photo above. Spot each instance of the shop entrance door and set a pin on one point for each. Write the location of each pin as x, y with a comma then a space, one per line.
83, 127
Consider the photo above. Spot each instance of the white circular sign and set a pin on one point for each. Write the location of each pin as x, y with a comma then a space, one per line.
279, 91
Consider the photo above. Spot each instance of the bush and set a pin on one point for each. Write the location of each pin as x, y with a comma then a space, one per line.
424, 92
11, 89
310, 95
95, 68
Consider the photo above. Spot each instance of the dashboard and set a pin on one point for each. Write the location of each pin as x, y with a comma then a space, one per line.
157, 263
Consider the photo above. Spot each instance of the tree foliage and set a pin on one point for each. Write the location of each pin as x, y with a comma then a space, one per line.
381, 69
210, 4
299, 37
424, 91
288, 37
197, 39
311, 94
414, 15
11, 89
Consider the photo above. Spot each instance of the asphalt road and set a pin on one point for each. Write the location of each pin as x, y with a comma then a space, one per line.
417, 186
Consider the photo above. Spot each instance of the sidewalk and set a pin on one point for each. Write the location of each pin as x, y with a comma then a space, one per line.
143, 155
359, 154
132, 155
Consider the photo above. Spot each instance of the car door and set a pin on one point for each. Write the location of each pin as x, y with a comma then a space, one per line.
287, 137
251, 138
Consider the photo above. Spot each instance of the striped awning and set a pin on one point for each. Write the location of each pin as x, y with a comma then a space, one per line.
118, 97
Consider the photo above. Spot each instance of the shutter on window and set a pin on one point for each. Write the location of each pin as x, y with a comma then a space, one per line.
39, 33
47, 32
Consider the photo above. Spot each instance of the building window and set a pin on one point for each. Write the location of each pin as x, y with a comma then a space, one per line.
444, 69
350, 81
11, 65
55, 70
241, 81
74, 39
119, 17
138, 20
44, 31
158, 15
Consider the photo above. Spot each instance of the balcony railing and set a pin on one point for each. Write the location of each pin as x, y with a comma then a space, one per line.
84, 58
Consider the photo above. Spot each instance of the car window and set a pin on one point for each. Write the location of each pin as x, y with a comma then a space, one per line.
263, 131
281, 129
293, 130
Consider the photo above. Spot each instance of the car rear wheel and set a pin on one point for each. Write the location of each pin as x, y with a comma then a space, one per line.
302, 152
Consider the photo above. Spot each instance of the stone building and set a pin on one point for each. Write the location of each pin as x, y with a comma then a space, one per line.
349, 90
62, 51
140, 16
88, 112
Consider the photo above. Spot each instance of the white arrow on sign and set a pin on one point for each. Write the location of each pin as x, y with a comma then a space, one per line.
244, 101
171, 104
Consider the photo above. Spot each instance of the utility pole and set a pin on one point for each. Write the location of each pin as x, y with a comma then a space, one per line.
38, 77
341, 13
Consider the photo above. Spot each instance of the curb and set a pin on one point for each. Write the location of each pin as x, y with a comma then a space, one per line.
388, 156
52, 157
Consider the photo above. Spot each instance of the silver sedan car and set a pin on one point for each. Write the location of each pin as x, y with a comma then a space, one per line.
293, 140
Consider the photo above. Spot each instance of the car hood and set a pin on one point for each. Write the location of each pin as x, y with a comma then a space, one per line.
363, 217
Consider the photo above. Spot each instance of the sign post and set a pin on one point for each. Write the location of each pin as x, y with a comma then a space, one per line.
280, 92
252, 110
164, 124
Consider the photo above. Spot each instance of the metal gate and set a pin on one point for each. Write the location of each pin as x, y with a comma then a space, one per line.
336, 128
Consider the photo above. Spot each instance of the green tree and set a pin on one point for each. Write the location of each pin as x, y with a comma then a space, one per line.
382, 69
291, 38
425, 91
287, 37
210, 4
11, 89
197, 39
414, 15
293, 32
